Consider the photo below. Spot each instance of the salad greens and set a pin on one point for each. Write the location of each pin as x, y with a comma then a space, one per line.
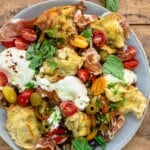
100, 140
113, 65
87, 34
112, 5
81, 144
38, 52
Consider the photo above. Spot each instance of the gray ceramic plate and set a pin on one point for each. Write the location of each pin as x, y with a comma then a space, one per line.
132, 124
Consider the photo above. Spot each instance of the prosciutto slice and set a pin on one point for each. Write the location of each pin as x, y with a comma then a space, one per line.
13, 29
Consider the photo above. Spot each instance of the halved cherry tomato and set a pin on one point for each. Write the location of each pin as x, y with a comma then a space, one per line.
8, 44
24, 98
60, 139
68, 108
83, 74
20, 43
28, 34
131, 64
128, 54
3, 79
99, 38
56, 131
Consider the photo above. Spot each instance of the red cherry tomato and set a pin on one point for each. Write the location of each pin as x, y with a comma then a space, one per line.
99, 38
93, 78
8, 44
60, 139
24, 98
129, 54
83, 74
131, 64
28, 34
20, 43
3, 79
56, 131
68, 108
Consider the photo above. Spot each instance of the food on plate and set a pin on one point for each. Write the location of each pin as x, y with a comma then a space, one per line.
67, 78
22, 125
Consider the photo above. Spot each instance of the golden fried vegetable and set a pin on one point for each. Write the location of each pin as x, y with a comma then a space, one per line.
135, 102
98, 86
115, 93
110, 24
68, 62
22, 126
79, 124
79, 41
93, 121
108, 49
58, 19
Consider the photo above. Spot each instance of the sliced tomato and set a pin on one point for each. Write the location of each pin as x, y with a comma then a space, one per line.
29, 34
24, 98
68, 108
21, 43
3, 79
128, 54
83, 74
8, 44
98, 38
131, 64
60, 139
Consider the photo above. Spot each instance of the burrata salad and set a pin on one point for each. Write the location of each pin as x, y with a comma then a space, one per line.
67, 79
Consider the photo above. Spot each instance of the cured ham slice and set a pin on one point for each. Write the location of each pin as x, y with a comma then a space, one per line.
13, 28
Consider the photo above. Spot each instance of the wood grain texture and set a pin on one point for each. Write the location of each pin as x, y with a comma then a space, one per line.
137, 13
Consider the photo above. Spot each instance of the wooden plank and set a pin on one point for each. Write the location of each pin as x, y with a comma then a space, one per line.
136, 11
142, 32
12, 7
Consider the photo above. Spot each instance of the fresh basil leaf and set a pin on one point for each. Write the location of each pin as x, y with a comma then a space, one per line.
51, 32
112, 5
81, 144
53, 65
100, 140
30, 85
87, 34
35, 63
51, 51
113, 65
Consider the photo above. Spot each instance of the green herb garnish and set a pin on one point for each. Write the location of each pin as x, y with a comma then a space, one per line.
81, 144
38, 52
113, 65
87, 34
112, 5
30, 85
53, 65
100, 140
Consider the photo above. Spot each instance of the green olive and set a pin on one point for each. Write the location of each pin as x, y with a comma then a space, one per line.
35, 99
9, 94
44, 127
103, 54
91, 109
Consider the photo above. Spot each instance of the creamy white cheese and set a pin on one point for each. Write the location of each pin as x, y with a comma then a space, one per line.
72, 89
129, 77
13, 61
54, 118
44, 83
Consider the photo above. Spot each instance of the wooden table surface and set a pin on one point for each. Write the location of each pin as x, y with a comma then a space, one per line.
137, 13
